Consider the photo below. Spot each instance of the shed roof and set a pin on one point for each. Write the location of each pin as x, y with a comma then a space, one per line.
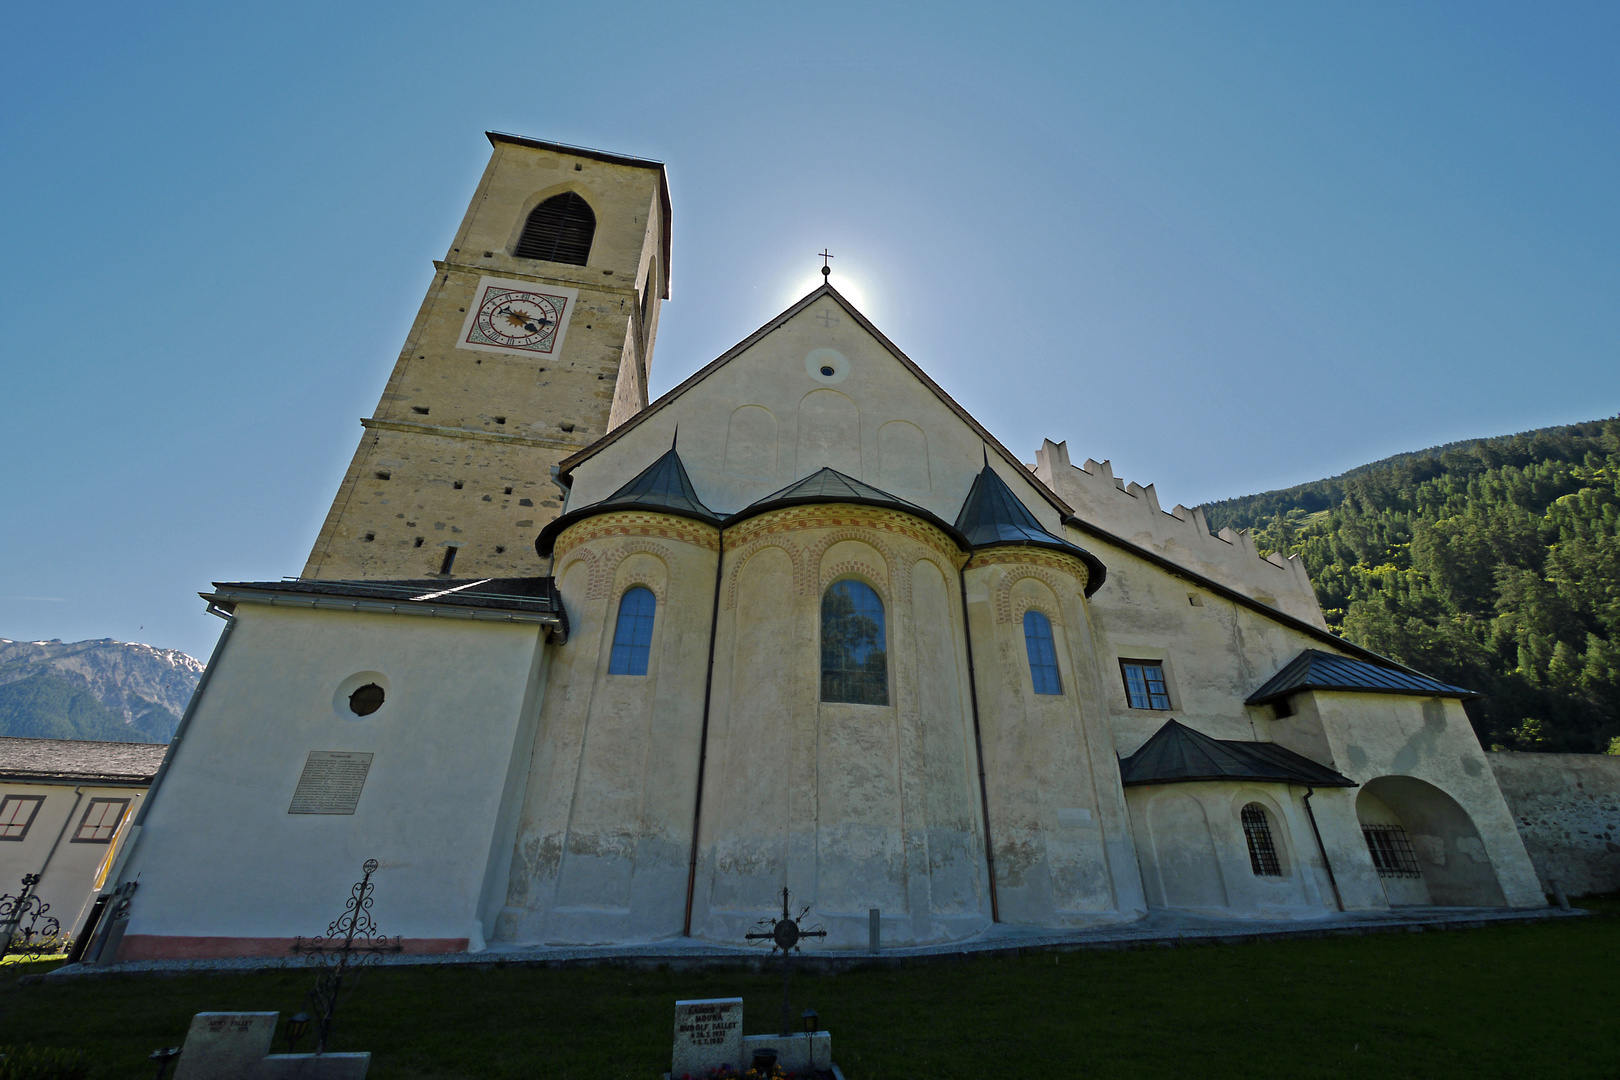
662, 486
992, 515
1314, 669
122, 764
1176, 754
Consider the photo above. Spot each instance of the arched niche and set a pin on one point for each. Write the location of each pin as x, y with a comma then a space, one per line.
902, 457
829, 434
1184, 852
1444, 844
751, 443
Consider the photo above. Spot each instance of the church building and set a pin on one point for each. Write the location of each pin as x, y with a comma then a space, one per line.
580, 668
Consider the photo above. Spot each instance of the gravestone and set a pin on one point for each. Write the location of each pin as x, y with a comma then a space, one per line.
236, 1046
708, 1034
225, 1044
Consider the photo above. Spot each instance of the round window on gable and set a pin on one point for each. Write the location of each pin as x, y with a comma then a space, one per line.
826, 366
366, 700
365, 695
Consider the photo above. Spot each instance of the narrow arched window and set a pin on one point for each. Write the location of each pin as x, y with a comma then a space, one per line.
559, 230
632, 637
1262, 849
854, 659
1043, 669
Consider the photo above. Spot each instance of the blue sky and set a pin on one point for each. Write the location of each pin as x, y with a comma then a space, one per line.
1230, 247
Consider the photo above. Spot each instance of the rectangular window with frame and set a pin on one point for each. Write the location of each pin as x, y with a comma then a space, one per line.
17, 813
101, 820
1144, 684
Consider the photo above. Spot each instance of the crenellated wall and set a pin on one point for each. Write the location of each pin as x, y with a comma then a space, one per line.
1131, 512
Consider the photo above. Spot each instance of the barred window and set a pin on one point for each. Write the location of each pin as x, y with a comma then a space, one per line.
559, 230
100, 822
854, 657
1144, 684
1391, 850
17, 813
1043, 669
632, 637
1262, 849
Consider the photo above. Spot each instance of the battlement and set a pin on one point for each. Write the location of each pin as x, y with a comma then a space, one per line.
1131, 512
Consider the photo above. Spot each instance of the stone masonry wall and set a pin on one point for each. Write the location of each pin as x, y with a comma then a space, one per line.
1567, 807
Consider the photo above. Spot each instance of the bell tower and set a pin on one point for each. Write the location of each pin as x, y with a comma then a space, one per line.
535, 338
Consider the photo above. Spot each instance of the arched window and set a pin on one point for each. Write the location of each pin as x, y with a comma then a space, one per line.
632, 638
1262, 851
559, 230
1043, 669
854, 660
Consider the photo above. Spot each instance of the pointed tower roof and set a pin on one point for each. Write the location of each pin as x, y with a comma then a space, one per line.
992, 515
831, 486
1176, 754
662, 486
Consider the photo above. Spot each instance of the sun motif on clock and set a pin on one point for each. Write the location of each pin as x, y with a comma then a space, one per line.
519, 320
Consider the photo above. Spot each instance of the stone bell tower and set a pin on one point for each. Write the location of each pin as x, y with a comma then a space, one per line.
534, 339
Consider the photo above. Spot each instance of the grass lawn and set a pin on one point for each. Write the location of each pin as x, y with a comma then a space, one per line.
1538, 1000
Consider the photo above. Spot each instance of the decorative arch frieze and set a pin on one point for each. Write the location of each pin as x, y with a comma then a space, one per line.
605, 571
638, 523
742, 554
1010, 608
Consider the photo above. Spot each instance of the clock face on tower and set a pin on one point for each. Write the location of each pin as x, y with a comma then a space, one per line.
518, 317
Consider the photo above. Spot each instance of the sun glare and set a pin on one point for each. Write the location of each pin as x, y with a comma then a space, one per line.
846, 284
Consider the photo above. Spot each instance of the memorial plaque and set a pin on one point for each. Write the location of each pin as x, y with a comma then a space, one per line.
225, 1044
708, 1034
330, 783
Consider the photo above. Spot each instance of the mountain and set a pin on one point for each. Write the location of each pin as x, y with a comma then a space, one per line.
1490, 563
100, 689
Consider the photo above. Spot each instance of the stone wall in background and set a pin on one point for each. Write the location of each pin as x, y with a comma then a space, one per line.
1568, 810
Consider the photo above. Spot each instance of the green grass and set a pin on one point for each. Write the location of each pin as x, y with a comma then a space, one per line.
1535, 1000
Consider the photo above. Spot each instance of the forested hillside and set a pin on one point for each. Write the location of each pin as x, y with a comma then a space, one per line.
1493, 564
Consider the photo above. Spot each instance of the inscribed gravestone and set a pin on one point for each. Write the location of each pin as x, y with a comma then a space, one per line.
708, 1034
222, 1044
330, 783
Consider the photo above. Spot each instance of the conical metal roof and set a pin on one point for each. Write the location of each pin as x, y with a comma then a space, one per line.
1176, 754
662, 486
992, 515
831, 486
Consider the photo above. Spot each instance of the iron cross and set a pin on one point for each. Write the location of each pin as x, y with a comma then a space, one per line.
785, 934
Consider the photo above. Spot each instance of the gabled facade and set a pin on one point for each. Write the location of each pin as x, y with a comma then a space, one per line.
804, 622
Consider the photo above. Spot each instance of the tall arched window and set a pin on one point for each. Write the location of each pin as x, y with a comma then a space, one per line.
854, 659
632, 637
559, 230
1043, 669
1262, 850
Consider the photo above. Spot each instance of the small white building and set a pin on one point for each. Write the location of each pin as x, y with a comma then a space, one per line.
65, 808
801, 622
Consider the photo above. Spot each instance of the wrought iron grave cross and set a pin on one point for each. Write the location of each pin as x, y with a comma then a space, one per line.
350, 944
785, 934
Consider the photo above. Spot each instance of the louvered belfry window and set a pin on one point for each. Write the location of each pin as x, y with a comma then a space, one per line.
559, 230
